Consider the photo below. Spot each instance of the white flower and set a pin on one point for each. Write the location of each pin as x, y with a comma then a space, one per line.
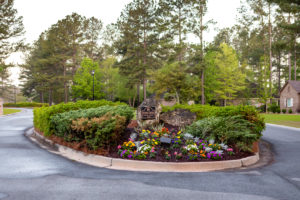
144, 148
188, 136
208, 149
192, 147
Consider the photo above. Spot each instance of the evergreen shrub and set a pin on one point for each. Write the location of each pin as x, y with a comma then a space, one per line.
42, 115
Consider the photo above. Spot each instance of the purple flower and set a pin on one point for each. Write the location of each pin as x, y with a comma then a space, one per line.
129, 156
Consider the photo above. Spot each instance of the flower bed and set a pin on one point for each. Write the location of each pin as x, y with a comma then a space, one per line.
153, 146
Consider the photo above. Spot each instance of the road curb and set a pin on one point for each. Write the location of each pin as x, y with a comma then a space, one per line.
134, 165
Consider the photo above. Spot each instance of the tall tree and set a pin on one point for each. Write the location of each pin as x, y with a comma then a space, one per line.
230, 78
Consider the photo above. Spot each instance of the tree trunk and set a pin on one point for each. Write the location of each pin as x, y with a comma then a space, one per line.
270, 50
290, 54
50, 97
65, 86
279, 74
145, 63
201, 43
177, 97
179, 32
295, 59
145, 88
138, 93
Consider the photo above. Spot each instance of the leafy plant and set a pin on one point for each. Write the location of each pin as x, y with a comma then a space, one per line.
42, 115
229, 130
290, 111
283, 110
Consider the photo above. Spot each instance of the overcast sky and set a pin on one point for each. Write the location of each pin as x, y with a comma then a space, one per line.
39, 15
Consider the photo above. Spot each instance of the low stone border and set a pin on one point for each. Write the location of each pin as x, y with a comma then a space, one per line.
133, 165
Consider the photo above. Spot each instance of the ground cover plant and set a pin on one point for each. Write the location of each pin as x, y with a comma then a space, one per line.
42, 115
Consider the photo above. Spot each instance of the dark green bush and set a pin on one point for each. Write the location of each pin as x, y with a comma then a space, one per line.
60, 124
283, 110
232, 130
290, 111
42, 115
274, 108
25, 104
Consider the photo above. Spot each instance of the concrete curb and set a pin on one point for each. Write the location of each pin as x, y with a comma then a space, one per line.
134, 165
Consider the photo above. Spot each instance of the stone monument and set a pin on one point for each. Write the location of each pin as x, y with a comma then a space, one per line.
1, 106
178, 117
148, 113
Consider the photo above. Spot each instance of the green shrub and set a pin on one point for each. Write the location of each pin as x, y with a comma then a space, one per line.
25, 104
98, 127
290, 111
98, 132
42, 115
232, 130
283, 110
60, 124
248, 113
274, 108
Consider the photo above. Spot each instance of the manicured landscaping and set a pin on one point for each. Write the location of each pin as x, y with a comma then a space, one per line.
7, 111
292, 120
106, 128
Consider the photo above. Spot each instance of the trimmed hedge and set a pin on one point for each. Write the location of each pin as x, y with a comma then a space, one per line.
42, 115
97, 127
248, 113
25, 104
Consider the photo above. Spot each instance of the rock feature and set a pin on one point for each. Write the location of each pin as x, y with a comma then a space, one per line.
148, 113
178, 117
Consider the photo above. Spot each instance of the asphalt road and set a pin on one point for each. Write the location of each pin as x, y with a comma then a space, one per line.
29, 172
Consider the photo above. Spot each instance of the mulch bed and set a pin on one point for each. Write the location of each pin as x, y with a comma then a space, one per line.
113, 152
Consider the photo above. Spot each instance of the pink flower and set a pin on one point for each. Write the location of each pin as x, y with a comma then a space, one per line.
119, 147
230, 149
175, 153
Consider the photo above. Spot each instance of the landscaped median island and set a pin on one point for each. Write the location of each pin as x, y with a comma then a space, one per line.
106, 128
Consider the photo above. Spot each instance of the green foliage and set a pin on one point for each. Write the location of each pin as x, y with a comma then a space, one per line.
274, 108
290, 111
99, 127
283, 110
248, 113
25, 104
60, 124
231, 130
83, 81
171, 78
42, 115
229, 79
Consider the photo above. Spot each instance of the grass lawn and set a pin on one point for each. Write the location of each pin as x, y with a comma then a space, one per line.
7, 111
283, 119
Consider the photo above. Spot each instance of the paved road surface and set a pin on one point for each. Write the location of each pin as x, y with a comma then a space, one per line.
29, 172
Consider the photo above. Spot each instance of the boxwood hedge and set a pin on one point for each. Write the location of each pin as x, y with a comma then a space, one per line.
42, 115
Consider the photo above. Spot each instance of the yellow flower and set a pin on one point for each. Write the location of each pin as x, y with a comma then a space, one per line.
156, 143
126, 145
142, 142
178, 137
